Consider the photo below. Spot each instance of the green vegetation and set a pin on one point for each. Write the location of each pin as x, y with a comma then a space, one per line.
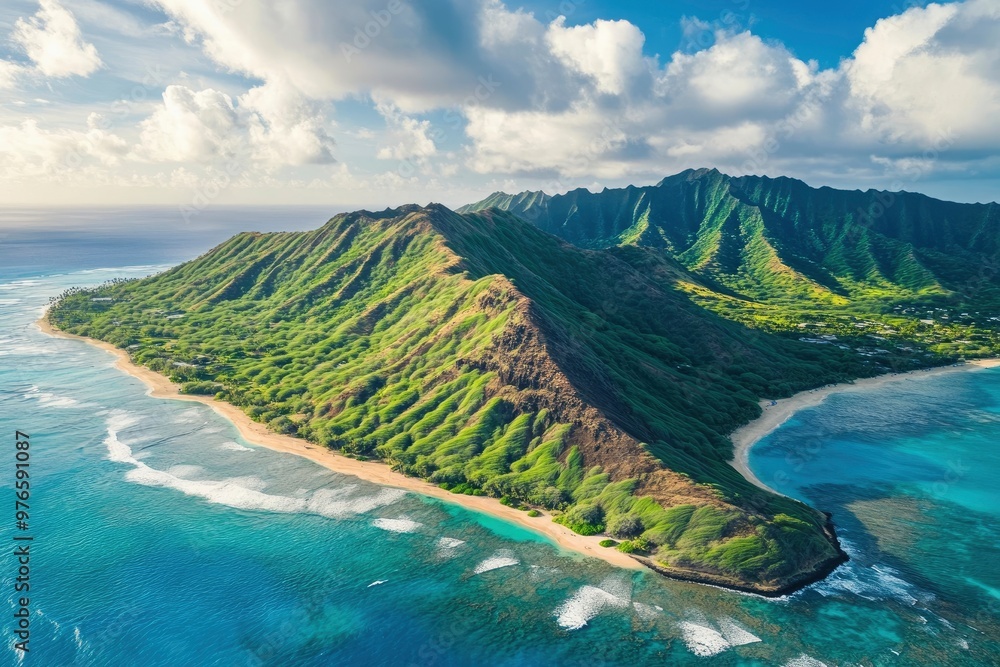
584, 519
608, 543
490, 358
640, 545
897, 278
625, 526
203, 388
534, 513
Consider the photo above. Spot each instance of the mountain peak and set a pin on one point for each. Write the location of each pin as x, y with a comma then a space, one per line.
518, 203
481, 353
763, 236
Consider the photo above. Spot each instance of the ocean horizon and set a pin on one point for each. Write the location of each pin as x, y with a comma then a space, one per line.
161, 537
500, 334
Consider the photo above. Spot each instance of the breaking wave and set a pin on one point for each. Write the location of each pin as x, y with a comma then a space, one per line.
397, 525
614, 592
232, 446
502, 558
702, 640
871, 582
735, 633
49, 400
241, 492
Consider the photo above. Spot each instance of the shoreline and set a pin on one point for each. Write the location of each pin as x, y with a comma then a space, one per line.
160, 386
744, 438
773, 416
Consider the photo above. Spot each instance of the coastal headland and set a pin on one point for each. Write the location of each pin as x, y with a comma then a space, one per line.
376, 472
773, 416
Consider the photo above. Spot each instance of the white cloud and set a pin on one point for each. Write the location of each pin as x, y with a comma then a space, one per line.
406, 138
534, 98
924, 82
191, 126
715, 106
286, 128
930, 72
415, 55
8, 74
500, 27
610, 52
271, 125
738, 78
575, 142
30, 151
52, 40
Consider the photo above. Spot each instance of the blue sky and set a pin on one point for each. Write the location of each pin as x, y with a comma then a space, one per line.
251, 101
824, 31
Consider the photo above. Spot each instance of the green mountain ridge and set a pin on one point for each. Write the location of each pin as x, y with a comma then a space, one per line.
589, 353
485, 355
773, 239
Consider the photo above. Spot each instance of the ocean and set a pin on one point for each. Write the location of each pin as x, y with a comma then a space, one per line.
160, 537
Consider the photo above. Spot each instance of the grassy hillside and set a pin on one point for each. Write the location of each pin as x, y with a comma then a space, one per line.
490, 357
779, 255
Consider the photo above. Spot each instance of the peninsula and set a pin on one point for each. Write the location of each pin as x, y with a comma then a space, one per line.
487, 357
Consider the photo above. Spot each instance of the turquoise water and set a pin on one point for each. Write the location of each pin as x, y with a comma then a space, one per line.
162, 538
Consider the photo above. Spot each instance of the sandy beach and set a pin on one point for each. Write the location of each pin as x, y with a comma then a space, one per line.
255, 433
774, 416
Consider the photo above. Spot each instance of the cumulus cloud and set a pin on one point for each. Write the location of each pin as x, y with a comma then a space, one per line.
712, 106
30, 151
286, 128
190, 125
407, 138
738, 78
922, 82
549, 99
532, 95
609, 52
930, 72
414, 54
576, 142
271, 124
52, 40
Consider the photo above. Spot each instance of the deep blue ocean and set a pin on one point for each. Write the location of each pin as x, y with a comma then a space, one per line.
162, 538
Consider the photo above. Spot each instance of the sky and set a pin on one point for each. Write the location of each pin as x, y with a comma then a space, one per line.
375, 103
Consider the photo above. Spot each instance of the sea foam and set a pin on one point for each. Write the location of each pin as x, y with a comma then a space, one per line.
49, 400
585, 604
614, 592
18, 284
702, 640
735, 633
447, 547
222, 492
234, 447
646, 612
118, 451
244, 493
13, 348
502, 558
185, 470
871, 582
334, 504
804, 661
397, 525
189, 416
